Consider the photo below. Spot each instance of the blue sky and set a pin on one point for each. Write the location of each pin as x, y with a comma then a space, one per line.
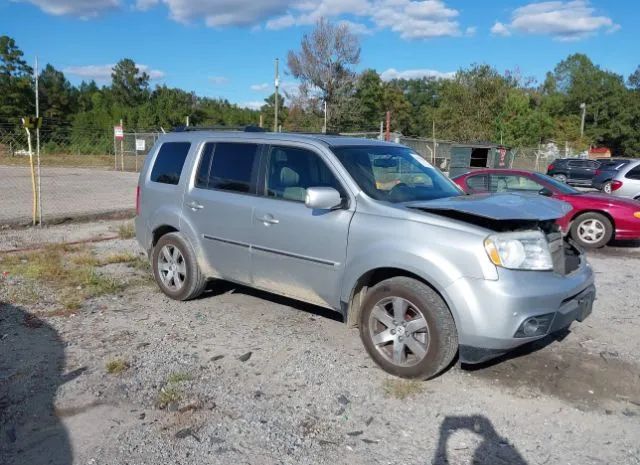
226, 48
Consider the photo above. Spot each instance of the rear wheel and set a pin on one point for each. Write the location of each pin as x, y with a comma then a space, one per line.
592, 230
606, 187
560, 177
407, 328
176, 269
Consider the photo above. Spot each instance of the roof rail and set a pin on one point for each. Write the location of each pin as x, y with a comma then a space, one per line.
249, 128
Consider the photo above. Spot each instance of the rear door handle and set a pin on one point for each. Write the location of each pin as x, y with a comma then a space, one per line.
269, 219
193, 205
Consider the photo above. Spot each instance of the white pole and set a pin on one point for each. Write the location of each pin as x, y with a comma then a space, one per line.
324, 129
277, 84
38, 145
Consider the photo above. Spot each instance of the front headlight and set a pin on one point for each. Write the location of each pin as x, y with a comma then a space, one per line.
526, 250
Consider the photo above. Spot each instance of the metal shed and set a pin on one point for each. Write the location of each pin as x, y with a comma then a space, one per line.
466, 157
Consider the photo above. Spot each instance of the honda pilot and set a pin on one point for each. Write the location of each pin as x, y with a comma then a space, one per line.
368, 229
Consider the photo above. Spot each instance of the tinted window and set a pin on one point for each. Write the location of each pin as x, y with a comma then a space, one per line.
577, 164
394, 174
477, 183
169, 162
613, 165
232, 166
560, 186
634, 173
291, 171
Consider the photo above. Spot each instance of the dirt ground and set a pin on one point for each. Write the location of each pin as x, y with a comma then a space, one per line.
241, 376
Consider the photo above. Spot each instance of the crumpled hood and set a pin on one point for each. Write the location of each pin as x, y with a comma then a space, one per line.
505, 206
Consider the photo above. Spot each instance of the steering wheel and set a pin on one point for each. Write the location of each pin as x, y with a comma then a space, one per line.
397, 190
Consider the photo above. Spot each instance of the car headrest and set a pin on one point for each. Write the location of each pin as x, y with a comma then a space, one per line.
288, 177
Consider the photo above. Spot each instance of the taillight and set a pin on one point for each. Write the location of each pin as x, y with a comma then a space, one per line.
137, 200
598, 172
550, 167
615, 185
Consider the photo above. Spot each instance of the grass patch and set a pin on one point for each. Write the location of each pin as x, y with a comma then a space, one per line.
168, 395
126, 231
67, 270
175, 378
117, 366
120, 257
402, 388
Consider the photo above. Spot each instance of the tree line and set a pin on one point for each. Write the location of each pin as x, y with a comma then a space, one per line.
478, 103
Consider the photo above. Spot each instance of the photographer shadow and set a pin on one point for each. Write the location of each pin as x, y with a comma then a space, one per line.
31, 370
493, 449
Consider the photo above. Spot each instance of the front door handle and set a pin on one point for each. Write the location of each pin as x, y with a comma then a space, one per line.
193, 205
268, 219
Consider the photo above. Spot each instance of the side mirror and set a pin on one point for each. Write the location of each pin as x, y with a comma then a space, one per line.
322, 198
546, 192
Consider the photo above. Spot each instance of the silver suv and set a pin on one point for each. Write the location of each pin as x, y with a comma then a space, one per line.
626, 182
368, 229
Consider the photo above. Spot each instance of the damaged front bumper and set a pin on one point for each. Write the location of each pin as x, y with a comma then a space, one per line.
494, 317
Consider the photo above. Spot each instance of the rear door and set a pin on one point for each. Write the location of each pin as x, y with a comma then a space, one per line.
218, 206
297, 251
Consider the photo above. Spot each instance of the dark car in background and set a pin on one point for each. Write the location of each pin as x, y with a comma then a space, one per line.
606, 172
574, 171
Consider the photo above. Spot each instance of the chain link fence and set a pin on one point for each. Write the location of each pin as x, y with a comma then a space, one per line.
87, 172
76, 175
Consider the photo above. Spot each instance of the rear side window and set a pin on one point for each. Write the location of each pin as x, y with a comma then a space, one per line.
634, 173
169, 162
228, 166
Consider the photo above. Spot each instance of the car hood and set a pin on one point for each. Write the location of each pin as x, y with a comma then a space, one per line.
499, 207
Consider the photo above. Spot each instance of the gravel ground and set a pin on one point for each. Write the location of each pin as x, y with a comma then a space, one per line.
241, 376
64, 193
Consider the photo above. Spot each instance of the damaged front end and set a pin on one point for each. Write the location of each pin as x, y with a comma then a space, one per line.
510, 214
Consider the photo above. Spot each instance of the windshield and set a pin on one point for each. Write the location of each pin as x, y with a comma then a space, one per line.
394, 174
562, 187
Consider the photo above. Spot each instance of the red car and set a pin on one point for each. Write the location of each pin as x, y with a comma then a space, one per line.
595, 219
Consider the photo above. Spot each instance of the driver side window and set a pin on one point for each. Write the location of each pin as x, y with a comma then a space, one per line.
290, 171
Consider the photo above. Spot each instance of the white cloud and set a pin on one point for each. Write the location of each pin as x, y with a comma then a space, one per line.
102, 73
260, 87
356, 28
500, 29
412, 19
393, 73
252, 105
563, 20
81, 8
218, 80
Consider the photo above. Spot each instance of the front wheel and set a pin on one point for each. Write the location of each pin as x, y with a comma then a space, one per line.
592, 230
407, 328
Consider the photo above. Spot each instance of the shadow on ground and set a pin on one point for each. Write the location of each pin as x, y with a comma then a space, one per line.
218, 287
492, 450
31, 370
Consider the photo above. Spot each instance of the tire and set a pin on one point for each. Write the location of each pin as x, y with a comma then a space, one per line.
606, 187
592, 230
188, 280
560, 177
437, 340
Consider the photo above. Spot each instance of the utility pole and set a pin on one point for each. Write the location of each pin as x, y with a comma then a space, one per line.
277, 84
187, 120
38, 142
583, 107
387, 136
324, 127
433, 134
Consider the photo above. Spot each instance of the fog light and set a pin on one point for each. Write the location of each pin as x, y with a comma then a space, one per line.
535, 326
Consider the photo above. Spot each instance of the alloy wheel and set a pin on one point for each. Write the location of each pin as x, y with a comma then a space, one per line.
591, 231
399, 331
172, 268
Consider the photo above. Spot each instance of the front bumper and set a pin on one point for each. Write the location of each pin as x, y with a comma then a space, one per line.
489, 314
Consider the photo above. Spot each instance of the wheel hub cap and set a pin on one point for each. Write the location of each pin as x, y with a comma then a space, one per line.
399, 331
171, 267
